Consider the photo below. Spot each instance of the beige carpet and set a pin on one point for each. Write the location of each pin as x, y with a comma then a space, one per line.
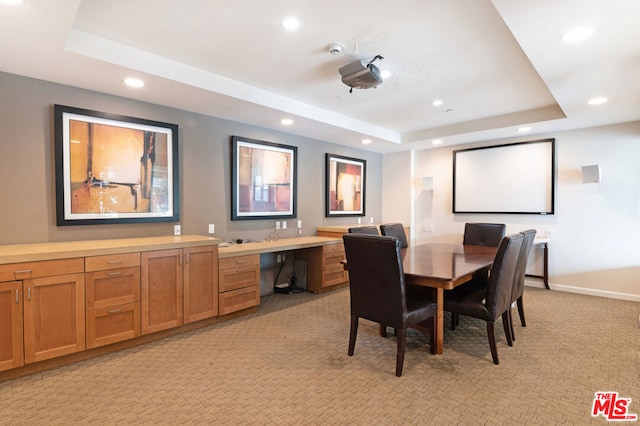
288, 364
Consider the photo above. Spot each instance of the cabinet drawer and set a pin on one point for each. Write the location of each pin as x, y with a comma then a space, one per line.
111, 261
333, 276
114, 324
243, 276
235, 300
237, 261
112, 288
44, 268
333, 250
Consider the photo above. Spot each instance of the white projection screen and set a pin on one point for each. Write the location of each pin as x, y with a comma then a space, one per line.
514, 178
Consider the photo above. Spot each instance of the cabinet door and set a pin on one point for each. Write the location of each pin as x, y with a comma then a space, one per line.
11, 325
200, 283
161, 290
53, 316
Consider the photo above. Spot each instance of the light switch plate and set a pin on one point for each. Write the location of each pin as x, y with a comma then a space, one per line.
177, 230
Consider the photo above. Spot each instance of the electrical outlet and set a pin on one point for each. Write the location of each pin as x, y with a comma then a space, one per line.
359, 220
424, 228
432, 228
277, 224
299, 224
284, 224
278, 258
177, 230
212, 228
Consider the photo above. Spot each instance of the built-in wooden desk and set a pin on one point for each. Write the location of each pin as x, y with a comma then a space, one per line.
322, 255
337, 231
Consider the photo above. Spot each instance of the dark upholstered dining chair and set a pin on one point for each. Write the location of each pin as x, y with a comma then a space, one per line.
484, 234
369, 230
378, 291
518, 283
491, 300
395, 230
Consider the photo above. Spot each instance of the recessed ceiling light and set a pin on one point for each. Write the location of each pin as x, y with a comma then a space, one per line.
291, 24
12, 1
524, 129
598, 100
576, 34
436, 141
366, 141
133, 82
286, 122
437, 102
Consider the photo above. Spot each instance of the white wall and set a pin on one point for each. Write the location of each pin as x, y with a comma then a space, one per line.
595, 230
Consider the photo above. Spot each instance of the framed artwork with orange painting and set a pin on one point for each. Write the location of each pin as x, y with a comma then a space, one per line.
114, 168
345, 186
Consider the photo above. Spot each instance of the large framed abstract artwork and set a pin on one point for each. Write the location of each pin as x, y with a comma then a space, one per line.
114, 169
345, 186
263, 179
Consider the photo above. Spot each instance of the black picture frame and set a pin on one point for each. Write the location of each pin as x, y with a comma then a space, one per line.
345, 186
263, 179
114, 169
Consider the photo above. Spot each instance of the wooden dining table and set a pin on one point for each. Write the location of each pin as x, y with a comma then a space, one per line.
443, 266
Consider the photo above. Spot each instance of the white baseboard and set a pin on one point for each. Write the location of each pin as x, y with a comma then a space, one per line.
588, 291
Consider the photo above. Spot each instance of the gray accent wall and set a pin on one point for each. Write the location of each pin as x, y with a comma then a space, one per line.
27, 169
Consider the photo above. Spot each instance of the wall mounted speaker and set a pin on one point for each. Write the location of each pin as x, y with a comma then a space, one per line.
591, 174
427, 184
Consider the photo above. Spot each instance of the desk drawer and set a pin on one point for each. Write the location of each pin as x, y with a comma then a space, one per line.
112, 288
236, 300
239, 261
333, 250
111, 261
239, 277
44, 268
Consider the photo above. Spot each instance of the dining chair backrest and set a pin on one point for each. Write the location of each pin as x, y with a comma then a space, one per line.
376, 276
395, 230
369, 230
521, 268
484, 234
500, 284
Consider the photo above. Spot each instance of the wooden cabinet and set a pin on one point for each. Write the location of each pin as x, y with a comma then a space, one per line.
11, 355
41, 310
239, 283
162, 301
178, 286
54, 321
200, 283
112, 298
324, 269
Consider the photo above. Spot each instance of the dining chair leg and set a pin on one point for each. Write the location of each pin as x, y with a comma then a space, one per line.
492, 342
432, 335
352, 334
521, 312
402, 343
513, 334
383, 330
506, 323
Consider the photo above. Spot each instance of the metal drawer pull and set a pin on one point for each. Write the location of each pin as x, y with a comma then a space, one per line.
28, 293
22, 271
17, 299
111, 262
112, 274
241, 261
240, 270
186, 257
114, 311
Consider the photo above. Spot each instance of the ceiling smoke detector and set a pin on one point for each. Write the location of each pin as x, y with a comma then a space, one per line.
336, 48
361, 74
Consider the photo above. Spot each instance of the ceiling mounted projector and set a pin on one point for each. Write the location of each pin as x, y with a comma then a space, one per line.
361, 74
